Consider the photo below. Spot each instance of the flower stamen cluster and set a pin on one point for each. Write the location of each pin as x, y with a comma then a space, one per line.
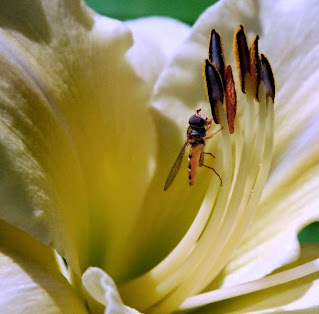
244, 153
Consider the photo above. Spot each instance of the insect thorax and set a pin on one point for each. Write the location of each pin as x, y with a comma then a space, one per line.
196, 134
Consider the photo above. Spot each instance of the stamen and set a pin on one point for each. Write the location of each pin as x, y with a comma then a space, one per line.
193, 270
231, 99
255, 66
214, 88
226, 211
268, 78
216, 52
242, 56
253, 286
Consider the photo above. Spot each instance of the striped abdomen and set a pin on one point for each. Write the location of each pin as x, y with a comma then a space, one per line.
194, 157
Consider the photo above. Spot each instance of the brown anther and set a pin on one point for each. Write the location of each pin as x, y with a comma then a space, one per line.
242, 55
267, 77
216, 52
230, 97
255, 65
214, 88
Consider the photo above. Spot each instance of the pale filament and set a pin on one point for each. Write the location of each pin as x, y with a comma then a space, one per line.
224, 216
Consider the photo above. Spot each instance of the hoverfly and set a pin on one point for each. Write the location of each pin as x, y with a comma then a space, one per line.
196, 136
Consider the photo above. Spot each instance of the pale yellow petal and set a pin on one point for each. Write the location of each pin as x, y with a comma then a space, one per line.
102, 293
155, 42
30, 281
73, 121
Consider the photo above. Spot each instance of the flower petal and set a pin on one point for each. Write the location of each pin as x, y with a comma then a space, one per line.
103, 293
155, 40
153, 47
29, 279
67, 157
296, 295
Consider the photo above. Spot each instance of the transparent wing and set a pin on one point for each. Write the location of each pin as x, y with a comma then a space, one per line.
177, 164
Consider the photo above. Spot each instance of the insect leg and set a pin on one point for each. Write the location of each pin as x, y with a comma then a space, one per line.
209, 154
201, 161
210, 136
220, 179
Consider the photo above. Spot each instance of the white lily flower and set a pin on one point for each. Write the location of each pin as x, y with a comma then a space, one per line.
93, 113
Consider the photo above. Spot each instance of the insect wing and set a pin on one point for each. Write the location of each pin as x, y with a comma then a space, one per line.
177, 164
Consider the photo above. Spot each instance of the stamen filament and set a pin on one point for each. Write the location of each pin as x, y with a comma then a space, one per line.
226, 211
173, 262
236, 208
252, 286
189, 276
235, 218
247, 213
215, 263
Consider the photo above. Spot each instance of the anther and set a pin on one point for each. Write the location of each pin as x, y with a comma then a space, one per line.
267, 77
230, 98
214, 88
216, 52
242, 55
255, 65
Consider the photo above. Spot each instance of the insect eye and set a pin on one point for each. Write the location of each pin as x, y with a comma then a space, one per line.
196, 120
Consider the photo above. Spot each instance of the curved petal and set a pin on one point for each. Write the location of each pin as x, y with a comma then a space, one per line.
69, 101
29, 279
295, 296
155, 40
291, 186
102, 293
